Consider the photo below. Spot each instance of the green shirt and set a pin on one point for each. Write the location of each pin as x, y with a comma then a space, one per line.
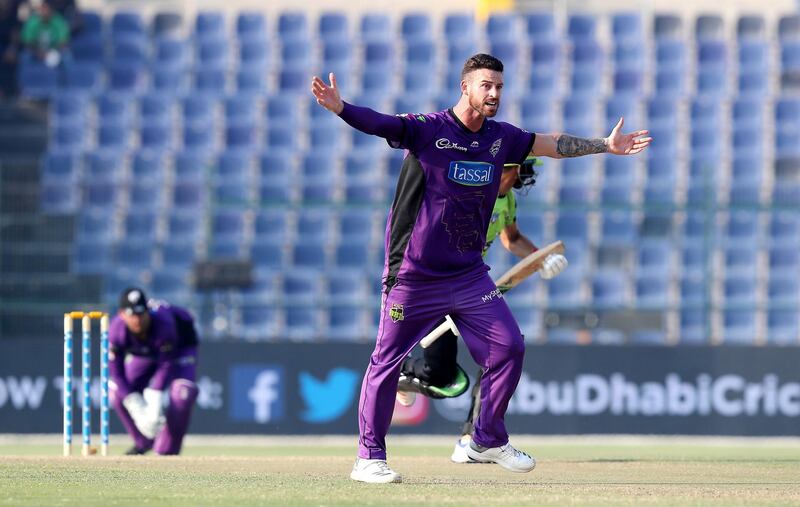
45, 34
503, 215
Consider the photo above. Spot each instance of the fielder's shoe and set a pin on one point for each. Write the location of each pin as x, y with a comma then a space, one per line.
376, 471
505, 456
406, 398
137, 451
460, 451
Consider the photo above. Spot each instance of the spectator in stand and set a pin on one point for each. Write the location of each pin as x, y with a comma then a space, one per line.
45, 35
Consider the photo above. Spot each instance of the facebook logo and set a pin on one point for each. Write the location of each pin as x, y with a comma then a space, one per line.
256, 393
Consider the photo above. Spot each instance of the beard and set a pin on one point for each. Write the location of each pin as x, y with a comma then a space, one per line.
484, 110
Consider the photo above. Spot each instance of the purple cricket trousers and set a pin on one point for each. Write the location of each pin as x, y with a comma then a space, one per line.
408, 313
182, 392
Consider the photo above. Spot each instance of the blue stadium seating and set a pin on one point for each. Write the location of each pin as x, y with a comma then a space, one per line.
719, 191
251, 24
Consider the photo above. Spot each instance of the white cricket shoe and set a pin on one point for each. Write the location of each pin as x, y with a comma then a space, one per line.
376, 471
460, 451
406, 398
506, 456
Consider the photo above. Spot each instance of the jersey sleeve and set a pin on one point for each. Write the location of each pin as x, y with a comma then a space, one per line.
521, 144
184, 326
418, 131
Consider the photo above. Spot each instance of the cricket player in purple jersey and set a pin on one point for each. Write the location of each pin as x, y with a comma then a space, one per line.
435, 235
152, 365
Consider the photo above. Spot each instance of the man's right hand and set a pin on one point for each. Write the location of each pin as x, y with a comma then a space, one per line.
327, 96
142, 415
553, 265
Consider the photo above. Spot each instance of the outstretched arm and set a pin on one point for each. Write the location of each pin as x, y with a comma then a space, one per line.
565, 145
362, 118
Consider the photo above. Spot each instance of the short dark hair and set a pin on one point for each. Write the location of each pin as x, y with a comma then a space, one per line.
481, 61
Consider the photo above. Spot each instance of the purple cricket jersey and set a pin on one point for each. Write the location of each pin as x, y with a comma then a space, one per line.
445, 194
171, 331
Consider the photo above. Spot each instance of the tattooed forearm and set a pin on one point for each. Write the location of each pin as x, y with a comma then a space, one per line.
570, 146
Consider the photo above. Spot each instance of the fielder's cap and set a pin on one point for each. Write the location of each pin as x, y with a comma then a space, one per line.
133, 301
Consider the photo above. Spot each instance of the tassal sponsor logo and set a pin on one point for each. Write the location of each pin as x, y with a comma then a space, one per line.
471, 174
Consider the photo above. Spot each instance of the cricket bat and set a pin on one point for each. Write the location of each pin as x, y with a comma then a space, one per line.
507, 281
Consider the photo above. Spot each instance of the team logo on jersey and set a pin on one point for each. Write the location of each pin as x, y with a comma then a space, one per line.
496, 147
471, 174
446, 144
474, 144
396, 312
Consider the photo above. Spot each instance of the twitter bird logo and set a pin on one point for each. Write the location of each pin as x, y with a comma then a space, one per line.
327, 399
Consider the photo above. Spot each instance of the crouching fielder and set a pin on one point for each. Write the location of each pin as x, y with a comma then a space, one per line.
152, 364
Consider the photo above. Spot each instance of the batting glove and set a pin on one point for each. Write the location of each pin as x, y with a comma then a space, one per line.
553, 265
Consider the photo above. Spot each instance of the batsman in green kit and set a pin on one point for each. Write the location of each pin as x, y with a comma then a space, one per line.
437, 374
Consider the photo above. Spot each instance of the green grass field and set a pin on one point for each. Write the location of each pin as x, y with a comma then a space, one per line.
314, 471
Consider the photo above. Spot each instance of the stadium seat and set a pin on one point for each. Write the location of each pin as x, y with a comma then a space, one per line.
671, 56
91, 257
251, 24
459, 27
95, 226
133, 255
694, 327
268, 253
333, 26
302, 286
416, 25
105, 166
739, 326
566, 292
36, 80
58, 198
540, 26
751, 27
61, 167
347, 286
260, 322
652, 292
127, 22
271, 224
184, 226
609, 289
303, 323
782, 290
783, 327
581, 27
667, 26
789, 27
141, 225
210, 24
292, 25
709, 26
693, 289
83, 77
626, 27
740, 290
126, 77
503, 28
211, 79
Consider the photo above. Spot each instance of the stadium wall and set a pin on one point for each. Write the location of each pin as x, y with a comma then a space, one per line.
286, 388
